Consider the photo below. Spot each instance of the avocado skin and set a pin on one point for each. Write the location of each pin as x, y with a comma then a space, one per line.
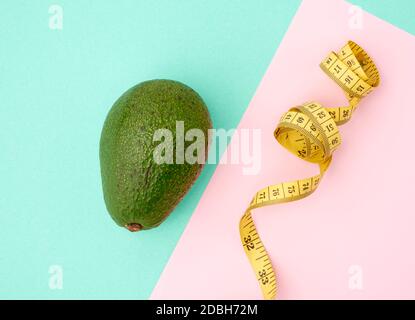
136, 189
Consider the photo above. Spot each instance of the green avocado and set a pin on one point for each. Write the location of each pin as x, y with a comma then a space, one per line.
139, 190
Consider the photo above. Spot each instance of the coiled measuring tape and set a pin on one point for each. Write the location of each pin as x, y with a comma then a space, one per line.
310, 132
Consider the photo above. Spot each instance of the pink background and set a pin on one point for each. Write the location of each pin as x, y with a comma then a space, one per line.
361, 214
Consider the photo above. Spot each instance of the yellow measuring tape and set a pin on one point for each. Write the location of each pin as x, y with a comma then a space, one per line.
310, 132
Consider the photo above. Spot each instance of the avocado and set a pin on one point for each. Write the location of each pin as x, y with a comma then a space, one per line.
139, 190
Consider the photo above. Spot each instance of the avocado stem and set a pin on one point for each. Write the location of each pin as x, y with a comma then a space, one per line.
134, 227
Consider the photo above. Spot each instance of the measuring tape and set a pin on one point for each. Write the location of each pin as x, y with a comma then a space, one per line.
310, 132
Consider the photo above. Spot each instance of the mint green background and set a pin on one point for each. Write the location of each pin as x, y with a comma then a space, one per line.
56, 88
